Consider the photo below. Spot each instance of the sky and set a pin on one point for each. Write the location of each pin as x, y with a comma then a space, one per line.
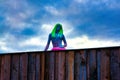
26, 24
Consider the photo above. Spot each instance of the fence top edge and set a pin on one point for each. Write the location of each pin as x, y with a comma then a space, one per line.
29, 52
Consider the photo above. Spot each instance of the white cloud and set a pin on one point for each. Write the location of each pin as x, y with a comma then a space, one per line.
85, 42
15, 22
17, 13
37, 43
4, 47
111, 4
81, 1
34, 41
47, 28
67, 27
52, 10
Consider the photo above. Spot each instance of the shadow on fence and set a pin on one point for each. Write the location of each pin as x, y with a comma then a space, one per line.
85, 64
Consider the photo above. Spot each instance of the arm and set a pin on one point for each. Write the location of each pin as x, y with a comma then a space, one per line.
48, 42
64, 40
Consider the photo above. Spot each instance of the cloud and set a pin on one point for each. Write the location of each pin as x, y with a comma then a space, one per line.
37, 43
34, 41
85, 42
52, 10
17, 14
47, 28
110, 4
11, 44
4, 46
81, 1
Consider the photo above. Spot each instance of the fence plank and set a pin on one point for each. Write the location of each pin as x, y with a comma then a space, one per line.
15, 67
51, 65
31, 66
92, 66
46, 66
83, 68
98, 64
59, 66
23, 66
37, 67
115, 64
77, 66
42, 65
62, 66
69, 65
5, 67
56, 65
0, 65
105, 64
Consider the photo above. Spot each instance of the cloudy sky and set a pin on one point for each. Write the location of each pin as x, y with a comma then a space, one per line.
25, 24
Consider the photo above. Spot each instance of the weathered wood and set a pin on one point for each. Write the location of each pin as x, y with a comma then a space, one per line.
83, 68
31, 66
37, 67
98, 64
105, 64
85, 64
46, 66
59, 66
23, 66
91, 65
115, 64
15, 67
77, 65
0, 65
42, 66
69, 65
51, 65
5, 67
56, 65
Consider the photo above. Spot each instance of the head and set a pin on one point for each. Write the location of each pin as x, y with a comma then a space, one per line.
57, 29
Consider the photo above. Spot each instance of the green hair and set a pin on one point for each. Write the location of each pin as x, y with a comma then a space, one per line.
54, 30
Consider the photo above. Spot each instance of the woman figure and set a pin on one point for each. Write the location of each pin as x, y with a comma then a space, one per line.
56, 36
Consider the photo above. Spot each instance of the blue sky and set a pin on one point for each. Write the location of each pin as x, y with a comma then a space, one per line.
25, 24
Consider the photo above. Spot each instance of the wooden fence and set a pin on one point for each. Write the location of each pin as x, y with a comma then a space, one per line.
83, 64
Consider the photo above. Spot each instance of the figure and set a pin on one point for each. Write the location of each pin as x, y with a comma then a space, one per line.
56, 36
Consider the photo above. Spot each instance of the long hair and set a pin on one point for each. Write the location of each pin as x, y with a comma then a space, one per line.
60, 33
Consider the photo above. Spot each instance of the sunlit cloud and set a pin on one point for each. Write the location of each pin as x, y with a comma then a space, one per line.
85, 42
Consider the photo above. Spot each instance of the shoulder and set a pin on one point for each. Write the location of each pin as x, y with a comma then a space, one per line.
50, 35
63, 36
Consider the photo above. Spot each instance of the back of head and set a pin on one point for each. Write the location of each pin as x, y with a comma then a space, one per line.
55, 28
